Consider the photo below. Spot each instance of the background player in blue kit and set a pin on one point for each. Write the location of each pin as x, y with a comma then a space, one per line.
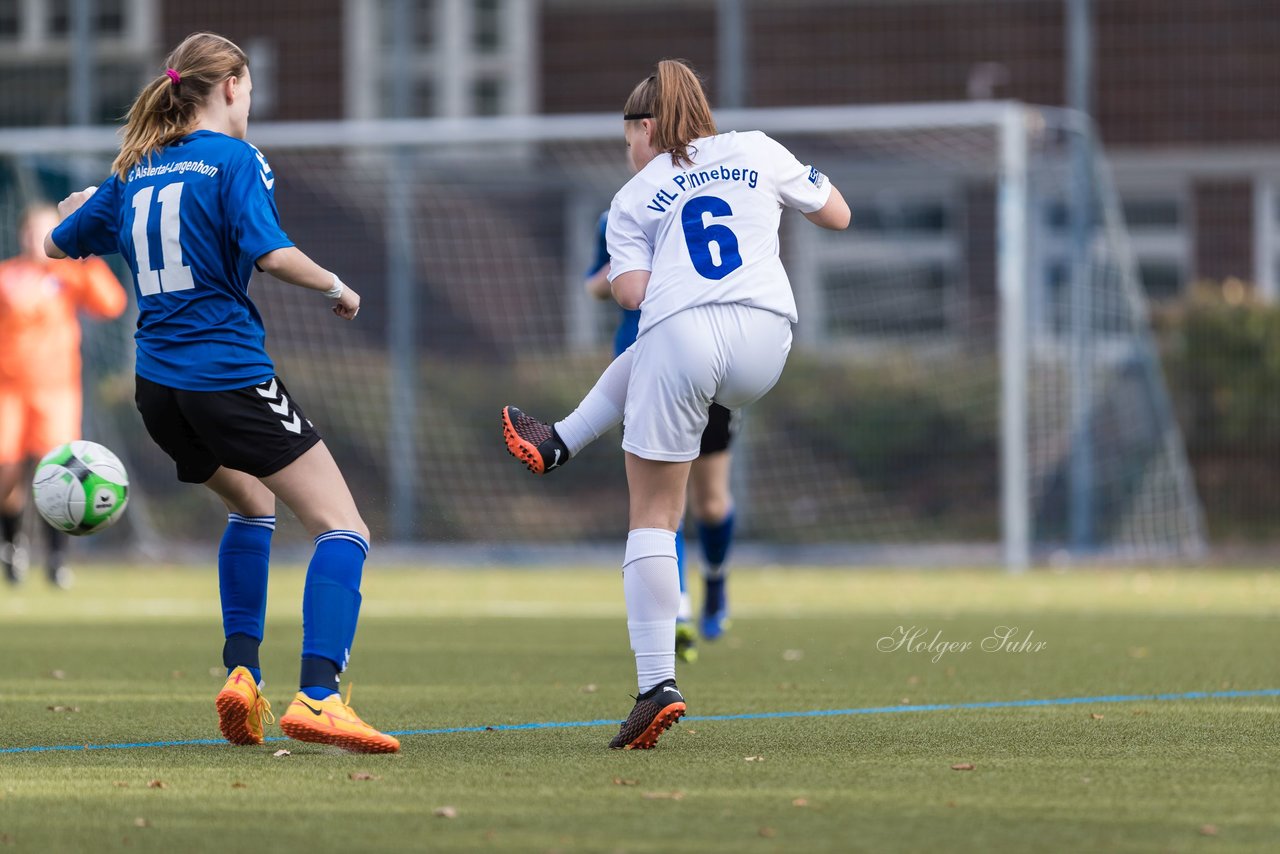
708, 480
191, 210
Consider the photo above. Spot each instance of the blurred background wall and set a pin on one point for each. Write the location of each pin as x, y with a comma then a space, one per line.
1183, 93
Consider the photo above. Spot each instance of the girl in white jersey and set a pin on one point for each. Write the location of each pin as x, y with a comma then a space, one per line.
693, 243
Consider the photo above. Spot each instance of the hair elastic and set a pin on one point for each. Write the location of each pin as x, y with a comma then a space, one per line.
174, 76
631, 117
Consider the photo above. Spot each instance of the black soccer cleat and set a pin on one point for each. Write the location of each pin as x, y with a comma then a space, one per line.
653, 714
532, 442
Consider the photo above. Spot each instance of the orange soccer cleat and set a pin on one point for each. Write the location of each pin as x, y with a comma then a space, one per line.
242, 708
332, 721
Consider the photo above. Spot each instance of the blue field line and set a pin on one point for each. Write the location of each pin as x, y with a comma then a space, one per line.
748, 716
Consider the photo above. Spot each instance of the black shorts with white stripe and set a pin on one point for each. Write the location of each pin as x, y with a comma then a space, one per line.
258, 429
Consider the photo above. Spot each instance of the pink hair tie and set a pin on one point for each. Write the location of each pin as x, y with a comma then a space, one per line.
174, 76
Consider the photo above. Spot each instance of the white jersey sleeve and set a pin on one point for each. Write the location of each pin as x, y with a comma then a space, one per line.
801, 187
629, 247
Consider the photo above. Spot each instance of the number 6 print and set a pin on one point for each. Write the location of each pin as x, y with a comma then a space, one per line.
701, 237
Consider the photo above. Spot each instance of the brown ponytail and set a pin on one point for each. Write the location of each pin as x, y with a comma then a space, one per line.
165, 109
676, 102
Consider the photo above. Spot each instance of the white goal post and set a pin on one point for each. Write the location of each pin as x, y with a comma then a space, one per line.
959, 294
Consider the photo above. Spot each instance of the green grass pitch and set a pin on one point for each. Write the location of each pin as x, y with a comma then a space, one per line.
133, 655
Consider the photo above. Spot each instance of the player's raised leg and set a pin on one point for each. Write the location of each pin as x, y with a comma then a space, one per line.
313, 487
243, 558
543, 447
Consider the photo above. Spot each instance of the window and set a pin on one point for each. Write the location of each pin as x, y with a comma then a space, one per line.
486, 33
422, 23
467, 57
9, 27
59, 12
486, 96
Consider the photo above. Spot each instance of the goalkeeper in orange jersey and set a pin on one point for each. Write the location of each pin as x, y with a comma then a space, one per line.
40, 395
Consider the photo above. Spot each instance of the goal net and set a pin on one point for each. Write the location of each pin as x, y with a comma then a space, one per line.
973, 374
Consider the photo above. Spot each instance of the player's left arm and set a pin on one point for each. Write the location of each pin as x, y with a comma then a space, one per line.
251, 194
290, 264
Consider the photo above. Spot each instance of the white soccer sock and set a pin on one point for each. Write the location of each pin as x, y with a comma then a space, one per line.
651, 585
686, 607
601, 410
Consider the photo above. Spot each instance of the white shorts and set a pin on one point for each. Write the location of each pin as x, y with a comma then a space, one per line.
730, 354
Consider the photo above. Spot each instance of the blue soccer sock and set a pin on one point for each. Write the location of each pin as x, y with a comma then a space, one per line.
330, 609
715, 539
243, 558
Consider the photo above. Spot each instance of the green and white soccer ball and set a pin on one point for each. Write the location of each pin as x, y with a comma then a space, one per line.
81, 488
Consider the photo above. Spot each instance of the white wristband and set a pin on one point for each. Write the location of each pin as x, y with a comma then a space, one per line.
335, 292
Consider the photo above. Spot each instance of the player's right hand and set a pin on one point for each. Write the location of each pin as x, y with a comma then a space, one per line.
347, 306
72, 203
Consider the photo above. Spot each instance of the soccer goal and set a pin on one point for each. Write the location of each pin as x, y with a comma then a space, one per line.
973, 377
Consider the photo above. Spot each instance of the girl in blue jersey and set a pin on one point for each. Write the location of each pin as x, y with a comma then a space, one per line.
190, 208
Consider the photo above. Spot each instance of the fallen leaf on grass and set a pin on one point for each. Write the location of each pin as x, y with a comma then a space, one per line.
619, 781
120, 784
281, 752
913, 680
220, 672
1095, 716
362, 775
59, 674
792, 654
589, 689
1208, 830
177, 674
445, 812
692, 731
800, 802
1138, 652
951, 803
157, 784
490, 729
63, 708
238, 785
962, 766
767, 832
141, 822
753, 758
663, 796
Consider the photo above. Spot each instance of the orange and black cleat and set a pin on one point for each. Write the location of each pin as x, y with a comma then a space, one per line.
532, 442
653, 714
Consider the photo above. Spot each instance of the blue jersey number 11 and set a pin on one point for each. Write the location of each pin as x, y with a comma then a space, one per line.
702, 237
173, 275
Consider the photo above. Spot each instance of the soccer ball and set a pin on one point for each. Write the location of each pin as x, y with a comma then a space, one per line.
80, 488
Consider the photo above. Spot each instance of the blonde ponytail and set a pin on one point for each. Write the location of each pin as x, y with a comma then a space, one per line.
675, 100
165, 110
